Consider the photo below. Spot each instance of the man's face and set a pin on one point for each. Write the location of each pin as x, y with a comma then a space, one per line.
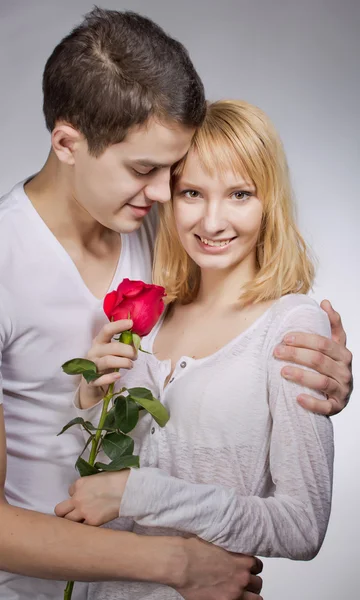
118, 188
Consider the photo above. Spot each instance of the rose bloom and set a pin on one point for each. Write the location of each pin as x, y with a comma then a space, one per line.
141, 302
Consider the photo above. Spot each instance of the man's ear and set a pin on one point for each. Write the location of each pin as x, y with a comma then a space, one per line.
65, 140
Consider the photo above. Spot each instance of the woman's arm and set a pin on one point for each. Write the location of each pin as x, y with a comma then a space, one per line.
291, 523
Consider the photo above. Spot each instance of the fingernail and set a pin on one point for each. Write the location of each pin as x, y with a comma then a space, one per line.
289, 339
279, 350
286, 372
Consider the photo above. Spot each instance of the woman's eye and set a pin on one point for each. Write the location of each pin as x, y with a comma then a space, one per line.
241, 195
190, 193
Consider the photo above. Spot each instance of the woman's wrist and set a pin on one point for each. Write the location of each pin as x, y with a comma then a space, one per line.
88, 396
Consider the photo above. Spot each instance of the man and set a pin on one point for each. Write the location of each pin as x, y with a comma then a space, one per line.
122, 101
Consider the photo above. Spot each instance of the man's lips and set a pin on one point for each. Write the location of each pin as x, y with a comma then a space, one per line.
140, 211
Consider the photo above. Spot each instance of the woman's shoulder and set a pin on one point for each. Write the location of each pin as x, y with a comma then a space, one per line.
290, 302
298, 312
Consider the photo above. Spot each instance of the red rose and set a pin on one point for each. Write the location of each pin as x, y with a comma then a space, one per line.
141, 302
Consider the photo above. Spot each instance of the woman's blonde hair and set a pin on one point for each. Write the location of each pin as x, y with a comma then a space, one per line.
236, 135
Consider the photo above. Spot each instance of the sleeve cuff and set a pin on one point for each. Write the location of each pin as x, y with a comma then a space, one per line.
91, 414
135, 499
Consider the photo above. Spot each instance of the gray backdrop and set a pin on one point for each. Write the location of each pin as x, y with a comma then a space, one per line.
299, 61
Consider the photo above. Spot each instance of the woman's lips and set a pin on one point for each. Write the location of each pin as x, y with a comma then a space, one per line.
213, 249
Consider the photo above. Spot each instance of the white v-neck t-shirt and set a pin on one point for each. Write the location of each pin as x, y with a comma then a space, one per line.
47, 316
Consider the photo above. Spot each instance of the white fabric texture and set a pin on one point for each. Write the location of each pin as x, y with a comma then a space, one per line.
240, 463
47, 316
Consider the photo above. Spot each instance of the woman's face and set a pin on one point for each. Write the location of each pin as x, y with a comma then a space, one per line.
218, 217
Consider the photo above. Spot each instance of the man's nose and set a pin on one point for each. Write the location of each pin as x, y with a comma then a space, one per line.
158, 190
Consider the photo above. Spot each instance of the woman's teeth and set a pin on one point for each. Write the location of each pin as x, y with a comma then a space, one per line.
214, 243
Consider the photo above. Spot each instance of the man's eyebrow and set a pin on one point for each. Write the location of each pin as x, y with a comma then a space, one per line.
144, 162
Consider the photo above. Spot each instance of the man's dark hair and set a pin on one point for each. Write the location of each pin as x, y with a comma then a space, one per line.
116, 70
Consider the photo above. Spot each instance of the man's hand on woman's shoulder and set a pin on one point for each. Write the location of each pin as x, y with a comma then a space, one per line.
329, 357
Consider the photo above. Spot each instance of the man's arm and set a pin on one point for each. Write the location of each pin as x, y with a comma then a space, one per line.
330, 358
73, 551
78, 552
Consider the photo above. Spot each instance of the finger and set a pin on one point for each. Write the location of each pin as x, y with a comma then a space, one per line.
110, 329
96, 521
255, 584
112, 349
75, 516
250, 596
316, 342
314, 381
105, 380
258, 566
65, 507
247, 562
113, 362
327, 408
337, 331
309, 358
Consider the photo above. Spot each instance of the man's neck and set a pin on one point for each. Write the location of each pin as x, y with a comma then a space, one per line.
51, 194
93, 248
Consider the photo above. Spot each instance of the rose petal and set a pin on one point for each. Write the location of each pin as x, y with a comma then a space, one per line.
109, 303
130, 288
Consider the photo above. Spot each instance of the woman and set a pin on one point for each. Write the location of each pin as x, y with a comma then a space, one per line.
240, 463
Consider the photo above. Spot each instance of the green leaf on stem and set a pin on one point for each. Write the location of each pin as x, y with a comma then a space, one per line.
90, 439
124, 462
90, 376
141, 392
144, 351
136, 340
109, 423
154, 407
85, 468
81, 366
78, 421
78, 366
116, 445
126, 414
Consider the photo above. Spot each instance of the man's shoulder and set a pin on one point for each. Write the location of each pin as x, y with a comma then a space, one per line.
14, 229
10, 203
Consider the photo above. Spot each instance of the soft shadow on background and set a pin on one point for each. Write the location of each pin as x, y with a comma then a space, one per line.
299, 61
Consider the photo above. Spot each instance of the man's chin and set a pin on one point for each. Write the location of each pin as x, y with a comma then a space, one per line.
126, 226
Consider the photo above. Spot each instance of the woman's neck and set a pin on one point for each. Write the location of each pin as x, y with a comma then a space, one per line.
222, 288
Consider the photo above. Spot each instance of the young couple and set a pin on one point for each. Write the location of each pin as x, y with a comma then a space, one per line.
240, 464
